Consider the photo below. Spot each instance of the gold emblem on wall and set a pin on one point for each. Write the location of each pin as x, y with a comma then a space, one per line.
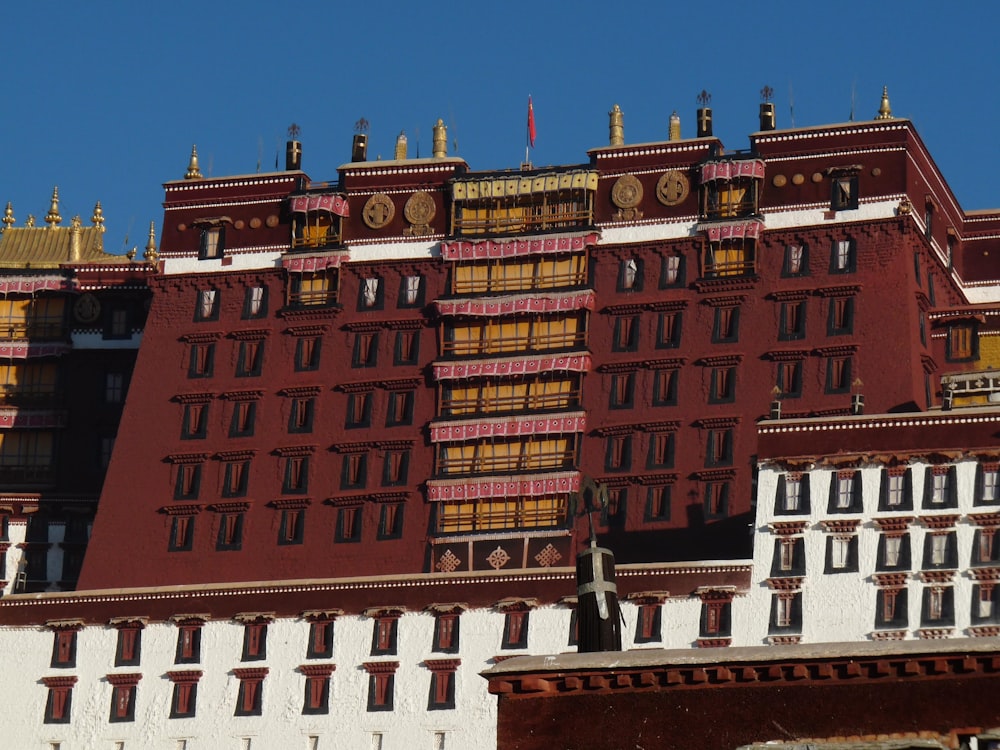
627, 195
87, 308
672, 188
378, 211
419, 210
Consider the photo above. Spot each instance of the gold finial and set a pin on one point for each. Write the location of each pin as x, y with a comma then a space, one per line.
151, 255
674, 133
400, 146
130, 254
98, 218
884, 111
52, 218
193, 172
616, 127
30, 221
8, 216
440, 147
75, 238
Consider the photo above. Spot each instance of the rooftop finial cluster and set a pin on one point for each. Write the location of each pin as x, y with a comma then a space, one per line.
52, 218
884, 110
193, 172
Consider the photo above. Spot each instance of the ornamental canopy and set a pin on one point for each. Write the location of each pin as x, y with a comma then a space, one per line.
731, 169
488, 249
729, 230
531, 485
499, 187
473, 429
511, 366
312, 263
32, 284
331, 203
518, 303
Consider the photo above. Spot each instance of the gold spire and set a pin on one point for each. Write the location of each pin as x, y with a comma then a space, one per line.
52, 218
400, 146
674, 131
440, 147
151, 255
30, 221
75, 238
193, 172
616, 127
8, 216
98, 218
884, 111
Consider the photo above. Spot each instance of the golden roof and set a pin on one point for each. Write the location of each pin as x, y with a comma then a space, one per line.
48, 247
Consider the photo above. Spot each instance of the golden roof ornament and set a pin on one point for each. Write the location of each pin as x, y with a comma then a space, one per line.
193, 173
131, 254
30, 221
400, 154
674, 131
98, 218
151, 255
8, 216
440, 147
616, 127
52, 218
884, 111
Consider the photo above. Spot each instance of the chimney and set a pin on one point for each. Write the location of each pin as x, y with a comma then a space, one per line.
616, 127
359, 149
440, 142
674, 131
293, 149
767, 118
704, 115
400, 153
598, 616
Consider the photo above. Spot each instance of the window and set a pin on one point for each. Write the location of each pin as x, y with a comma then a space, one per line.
940, 550
716, 618
254, 641
963, 342
381, 679
789, 557
320, 639
57, 704
984, 604
188, 482
365, 350
793, 494
928, 224
987, 484
394, 468
411, 291
672, 271
300, 415
250, 700
842, 553
292, 526
893, 552
726, 327
845, 492
618, 456
244, 413
201, 360
390, 524
307, 354
235, 478
515, 630
896, 493
661, 450
845, 193
630, 275
385, 629
442, 692
658, 503
938, 608
123, 696
622, 389
614, 514
181, 534
626, 334
117, 326
348, 524
185, 693
648, 624
213, 242
400, 411
195, 421
208, 305
114, 387
317, 697
230, 535
793, 321
796, 261
255, 302
838, 374
446, 633
891, 607
668, 330
250, 359
790, 379
730, 257
719, 451
786, 612
315, 289
296, 475
723, 385
188, 643
841, 316
371, 294
359, 409
665, 388
939, 488
716, 499
129, 646
843, 257
104, 451
406, 349
64, 648
354, 473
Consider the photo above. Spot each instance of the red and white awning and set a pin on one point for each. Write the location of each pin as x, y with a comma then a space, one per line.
312, 263
531, 485
24, 349
485, 249
512, 366
518, 303
473, 429
731, 169
332, 203
749, 230
32, 284
31, 418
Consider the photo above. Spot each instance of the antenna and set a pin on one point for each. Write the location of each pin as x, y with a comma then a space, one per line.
416, 133
791, 104
854, 90
453, 129
260, 151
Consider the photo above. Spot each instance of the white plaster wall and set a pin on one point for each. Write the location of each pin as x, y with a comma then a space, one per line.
96, 340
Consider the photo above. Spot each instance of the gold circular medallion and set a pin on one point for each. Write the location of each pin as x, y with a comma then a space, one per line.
419, 208
798, 179
255, 223
271, 221
378, 211
239, 224
779, 180
817, 177
672, 188
87, 308
627, 192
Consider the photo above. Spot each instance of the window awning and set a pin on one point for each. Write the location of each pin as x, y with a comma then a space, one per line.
11, 416
517, 303
24, 349
731, 169
32, 284
749, 230
512, 366
472, 429
312, 263
499, 187
531, 485
332, 203
486, 249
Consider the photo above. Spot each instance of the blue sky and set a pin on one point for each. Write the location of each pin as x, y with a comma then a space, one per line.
105, 99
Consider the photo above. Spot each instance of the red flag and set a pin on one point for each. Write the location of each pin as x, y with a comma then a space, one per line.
531, 124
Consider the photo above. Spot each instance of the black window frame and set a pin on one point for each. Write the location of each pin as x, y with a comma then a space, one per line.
209, 368
674, 340
681, 271
852, 256
248, 314
672, 375
219, 250
291, 526
253, 368
301, 363
299, 423
786, 331
235, 542
397, 350
631, 343
786, 265
851, 563
832, 329
251, 418
372, 360
340, 535
719, 334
